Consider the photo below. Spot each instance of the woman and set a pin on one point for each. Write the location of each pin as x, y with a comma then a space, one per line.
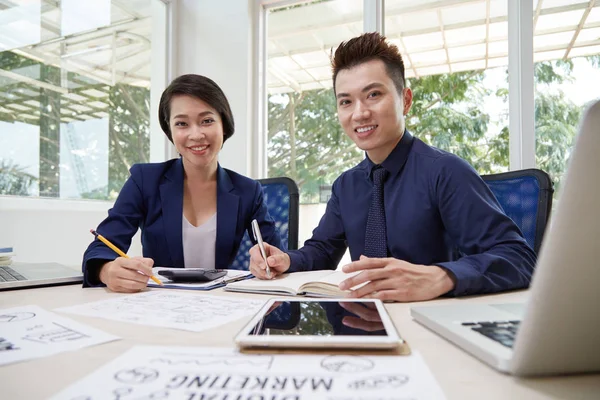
192, 212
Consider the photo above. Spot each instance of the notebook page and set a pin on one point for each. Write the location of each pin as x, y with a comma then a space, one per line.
287, 282
337, 277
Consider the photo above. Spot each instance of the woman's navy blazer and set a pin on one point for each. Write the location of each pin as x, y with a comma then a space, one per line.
152, 199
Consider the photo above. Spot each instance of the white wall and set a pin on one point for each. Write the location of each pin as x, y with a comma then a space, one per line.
51, 230
214, 38
310, 215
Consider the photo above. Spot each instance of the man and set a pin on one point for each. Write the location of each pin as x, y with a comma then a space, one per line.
408, 207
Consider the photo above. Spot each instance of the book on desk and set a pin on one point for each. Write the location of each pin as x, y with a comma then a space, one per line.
308, 283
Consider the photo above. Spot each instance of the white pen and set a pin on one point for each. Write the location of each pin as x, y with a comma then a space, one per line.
261, 245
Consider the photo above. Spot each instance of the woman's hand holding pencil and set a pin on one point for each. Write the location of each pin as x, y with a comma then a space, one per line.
125, 274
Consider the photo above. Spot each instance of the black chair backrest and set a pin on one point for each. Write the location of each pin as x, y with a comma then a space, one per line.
526, 197
282, 199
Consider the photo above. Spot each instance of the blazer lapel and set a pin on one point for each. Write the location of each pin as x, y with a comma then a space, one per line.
171, 196
227, 212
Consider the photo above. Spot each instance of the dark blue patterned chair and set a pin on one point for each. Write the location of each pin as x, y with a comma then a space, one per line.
281, 197
526, 197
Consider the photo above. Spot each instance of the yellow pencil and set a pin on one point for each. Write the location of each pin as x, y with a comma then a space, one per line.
118, 251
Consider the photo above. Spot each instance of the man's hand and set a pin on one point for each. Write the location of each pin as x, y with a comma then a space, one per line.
390, 279
279, 262
123, 274
367, 318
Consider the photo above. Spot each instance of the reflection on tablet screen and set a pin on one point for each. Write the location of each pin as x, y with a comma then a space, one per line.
342, 318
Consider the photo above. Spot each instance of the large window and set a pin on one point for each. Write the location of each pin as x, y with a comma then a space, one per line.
75, 97
455, 57
567, 76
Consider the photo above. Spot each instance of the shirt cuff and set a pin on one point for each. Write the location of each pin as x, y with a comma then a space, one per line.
91, 273
466, 277
296, 262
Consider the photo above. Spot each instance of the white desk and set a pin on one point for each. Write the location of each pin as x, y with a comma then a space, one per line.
460, 375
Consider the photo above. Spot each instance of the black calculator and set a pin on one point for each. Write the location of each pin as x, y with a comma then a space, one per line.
192, 275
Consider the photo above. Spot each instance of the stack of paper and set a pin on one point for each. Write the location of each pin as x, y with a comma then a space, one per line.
6, 255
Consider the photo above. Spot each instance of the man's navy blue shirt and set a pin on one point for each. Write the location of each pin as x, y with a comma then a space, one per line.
436, 206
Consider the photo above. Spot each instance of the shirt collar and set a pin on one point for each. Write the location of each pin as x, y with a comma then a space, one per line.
397, 158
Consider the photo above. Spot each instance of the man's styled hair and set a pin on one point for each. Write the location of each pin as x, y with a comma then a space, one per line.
202, 88
368, 47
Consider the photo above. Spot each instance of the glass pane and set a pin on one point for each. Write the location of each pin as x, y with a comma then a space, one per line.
306, 141
74, 103
456, 61
567, 78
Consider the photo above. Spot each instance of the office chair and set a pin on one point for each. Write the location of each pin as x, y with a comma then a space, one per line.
526, 197
281, 197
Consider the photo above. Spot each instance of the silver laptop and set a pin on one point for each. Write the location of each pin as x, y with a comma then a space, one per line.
22, 275
558, 330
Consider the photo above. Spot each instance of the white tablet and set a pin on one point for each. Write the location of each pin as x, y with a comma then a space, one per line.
320, 323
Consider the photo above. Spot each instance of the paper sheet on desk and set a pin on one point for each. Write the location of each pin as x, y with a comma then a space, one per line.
170, 309
31, 332
233, 275
195, 373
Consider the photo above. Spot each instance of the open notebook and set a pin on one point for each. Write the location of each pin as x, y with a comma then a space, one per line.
310, 283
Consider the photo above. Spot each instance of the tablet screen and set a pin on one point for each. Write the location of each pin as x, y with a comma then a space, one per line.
321, 318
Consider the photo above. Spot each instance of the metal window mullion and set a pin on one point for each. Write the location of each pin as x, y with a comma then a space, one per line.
373, 19
258, 137
171, 67
521, 85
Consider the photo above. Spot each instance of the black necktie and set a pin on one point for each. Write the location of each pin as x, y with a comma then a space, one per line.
375, 234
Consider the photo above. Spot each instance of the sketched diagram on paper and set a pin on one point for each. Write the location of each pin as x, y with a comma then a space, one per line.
137, 375
379, 382
244, 362
16, 317
124, 392
175, 308
347, 364
55, 334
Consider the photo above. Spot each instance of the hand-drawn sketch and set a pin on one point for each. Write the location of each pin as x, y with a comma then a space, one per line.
158, 395
16, 317
137, 375
379, 382
5, 345
350, 364
32, 332
189, 311
196, 373
255, 363
122, 392
56, 334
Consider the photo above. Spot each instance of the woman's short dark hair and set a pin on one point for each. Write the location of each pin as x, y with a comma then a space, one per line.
202, 88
